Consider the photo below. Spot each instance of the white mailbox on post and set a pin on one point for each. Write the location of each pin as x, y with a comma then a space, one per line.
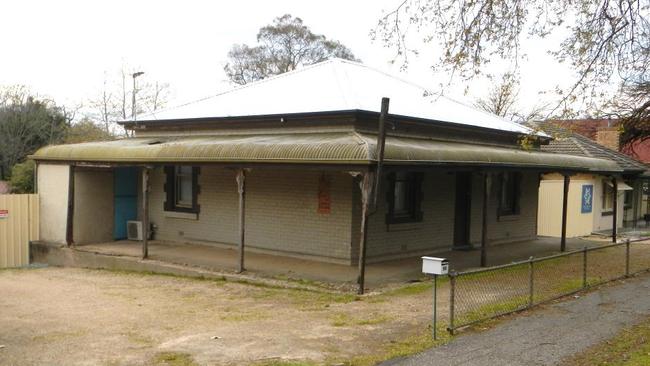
435, 266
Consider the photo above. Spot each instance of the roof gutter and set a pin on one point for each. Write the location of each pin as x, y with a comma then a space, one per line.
226, 121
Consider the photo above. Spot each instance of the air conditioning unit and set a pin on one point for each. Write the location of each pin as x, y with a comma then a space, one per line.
134, 230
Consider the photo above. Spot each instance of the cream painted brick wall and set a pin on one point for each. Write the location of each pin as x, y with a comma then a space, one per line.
281, 213
53, 194
508, 228
93, 218
436, 230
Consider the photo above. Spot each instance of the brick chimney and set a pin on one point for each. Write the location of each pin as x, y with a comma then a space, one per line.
609, 137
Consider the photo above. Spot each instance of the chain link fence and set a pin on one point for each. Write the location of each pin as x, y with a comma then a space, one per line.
478, 295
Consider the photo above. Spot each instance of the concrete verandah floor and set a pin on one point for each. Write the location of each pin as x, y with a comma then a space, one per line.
377, 274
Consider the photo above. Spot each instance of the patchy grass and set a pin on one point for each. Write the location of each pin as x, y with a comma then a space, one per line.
568, 287
377, 319
307, 299
173, 359
416, 288
58, 335
341, 320
302, 296
139, 339
403, 347
630, 347
303, 281
346, 320
124, 272
244, 317
284, 363
410, 289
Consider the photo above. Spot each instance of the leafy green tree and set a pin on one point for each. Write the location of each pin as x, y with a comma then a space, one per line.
27, 123
22, 177
282, 46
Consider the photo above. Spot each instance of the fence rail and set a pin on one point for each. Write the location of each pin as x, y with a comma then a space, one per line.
481, 294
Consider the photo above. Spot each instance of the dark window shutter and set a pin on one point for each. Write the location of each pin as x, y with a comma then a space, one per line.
500, 181
169, 188
196, 189
419, 196
517, 197
390, 197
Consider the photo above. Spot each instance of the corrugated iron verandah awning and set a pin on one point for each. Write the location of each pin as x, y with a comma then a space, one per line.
340, 148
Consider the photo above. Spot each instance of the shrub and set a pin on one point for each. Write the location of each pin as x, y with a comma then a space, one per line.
22, 177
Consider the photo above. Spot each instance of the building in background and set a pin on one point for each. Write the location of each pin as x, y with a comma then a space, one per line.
607, 132
591, 196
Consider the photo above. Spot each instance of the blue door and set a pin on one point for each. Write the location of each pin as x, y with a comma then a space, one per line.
125, 187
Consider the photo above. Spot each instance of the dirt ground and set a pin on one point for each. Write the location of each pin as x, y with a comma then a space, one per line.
67, 316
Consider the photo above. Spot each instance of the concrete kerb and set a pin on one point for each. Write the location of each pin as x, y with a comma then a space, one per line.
60, 255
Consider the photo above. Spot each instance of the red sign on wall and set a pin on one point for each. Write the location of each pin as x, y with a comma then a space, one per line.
4, 214
324, 197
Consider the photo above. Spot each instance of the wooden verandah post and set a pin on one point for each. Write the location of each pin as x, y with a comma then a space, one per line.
565, 198
484, 230
241, 189
368, 187
145, 212
69, 227
615, 210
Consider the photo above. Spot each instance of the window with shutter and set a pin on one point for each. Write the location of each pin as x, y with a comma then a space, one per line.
182, 189
509, 188
404, 196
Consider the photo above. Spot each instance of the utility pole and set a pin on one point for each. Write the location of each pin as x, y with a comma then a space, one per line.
135, 90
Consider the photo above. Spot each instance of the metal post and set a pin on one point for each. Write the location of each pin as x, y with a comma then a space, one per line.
435, 306
241, 189
366, 183
69, 230
531, 287
627, 258
145, 213
565, 198
484, 234
452, 293
134, 110
615, 212
584, 267
635, 203
647, 201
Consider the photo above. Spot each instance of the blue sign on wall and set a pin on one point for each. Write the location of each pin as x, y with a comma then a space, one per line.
587, 197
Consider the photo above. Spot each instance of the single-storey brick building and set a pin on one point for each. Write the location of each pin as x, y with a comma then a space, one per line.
287, 166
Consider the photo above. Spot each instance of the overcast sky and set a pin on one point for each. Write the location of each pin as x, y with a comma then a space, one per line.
62, 49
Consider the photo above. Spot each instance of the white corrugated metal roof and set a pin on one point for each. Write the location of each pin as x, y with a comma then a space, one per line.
335, 85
